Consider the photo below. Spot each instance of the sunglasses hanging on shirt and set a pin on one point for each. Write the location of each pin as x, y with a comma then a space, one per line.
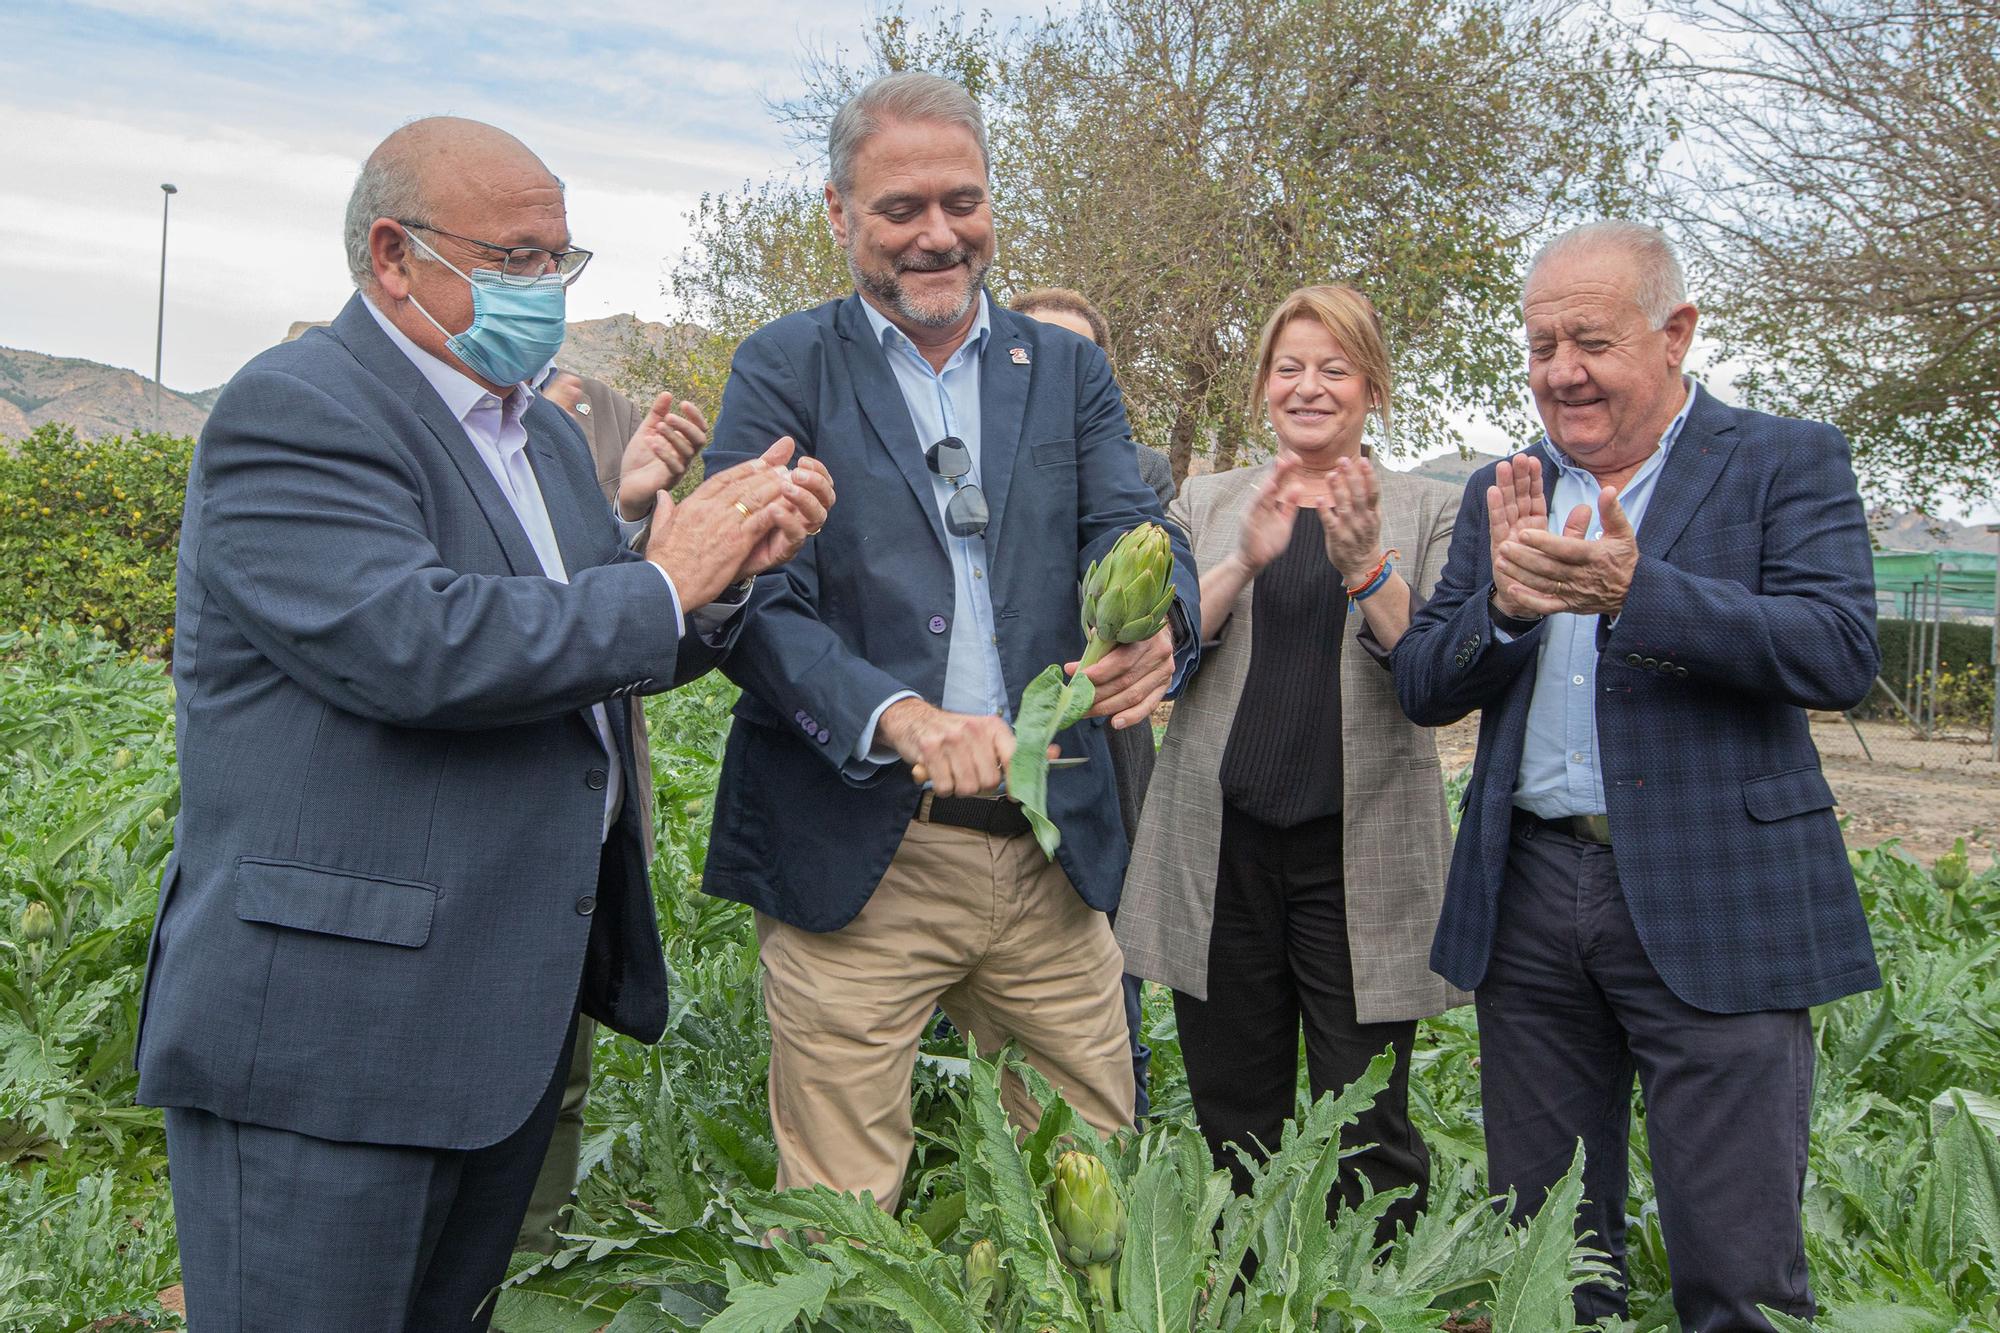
965, 514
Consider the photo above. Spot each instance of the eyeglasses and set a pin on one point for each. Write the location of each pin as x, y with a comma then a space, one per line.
523, 264
965, 513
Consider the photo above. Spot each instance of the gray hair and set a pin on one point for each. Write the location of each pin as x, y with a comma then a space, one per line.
907, 96
388, 187
1659, 285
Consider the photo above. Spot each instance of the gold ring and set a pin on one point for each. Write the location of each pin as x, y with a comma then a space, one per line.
814, 532
742, 509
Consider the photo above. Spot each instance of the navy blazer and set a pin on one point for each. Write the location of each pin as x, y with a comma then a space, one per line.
863, 612
1753, 601
391, 793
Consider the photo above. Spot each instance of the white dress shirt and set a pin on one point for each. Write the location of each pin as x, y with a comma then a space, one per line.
493, 427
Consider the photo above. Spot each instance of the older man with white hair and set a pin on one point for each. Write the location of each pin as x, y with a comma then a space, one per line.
1649, 877
406, 863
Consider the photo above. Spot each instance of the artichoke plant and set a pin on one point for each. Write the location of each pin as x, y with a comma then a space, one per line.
1089, 1224
1125, 599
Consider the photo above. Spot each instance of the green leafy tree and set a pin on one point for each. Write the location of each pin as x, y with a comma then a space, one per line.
1844, 211
1187, 162
89, 531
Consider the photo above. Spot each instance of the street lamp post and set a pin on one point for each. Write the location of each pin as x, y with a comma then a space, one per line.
167, 193
1993, 723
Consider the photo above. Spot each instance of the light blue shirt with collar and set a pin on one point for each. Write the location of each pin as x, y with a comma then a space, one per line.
946, 402
1560, 773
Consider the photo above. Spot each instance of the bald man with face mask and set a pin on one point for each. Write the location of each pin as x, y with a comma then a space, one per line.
408, 627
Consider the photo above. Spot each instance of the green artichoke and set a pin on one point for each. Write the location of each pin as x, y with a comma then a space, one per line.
1089, 1215
985, 1280
37, 922
1127, 593
1951, 871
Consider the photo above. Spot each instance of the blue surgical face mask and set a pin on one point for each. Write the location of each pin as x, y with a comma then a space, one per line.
517, 328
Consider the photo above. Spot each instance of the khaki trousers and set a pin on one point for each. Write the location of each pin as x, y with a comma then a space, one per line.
982, 926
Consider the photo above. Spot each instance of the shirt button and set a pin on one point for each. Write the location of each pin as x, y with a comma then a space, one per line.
976, 574
1578, 757
594, 779
1576, 680
586, 905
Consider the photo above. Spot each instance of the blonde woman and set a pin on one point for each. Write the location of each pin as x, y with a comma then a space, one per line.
1290, 861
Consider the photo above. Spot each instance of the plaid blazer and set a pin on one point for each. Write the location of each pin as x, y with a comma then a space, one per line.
1753, 600
1396, 839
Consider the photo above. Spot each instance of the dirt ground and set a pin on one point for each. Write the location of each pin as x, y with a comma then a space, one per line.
1924, 793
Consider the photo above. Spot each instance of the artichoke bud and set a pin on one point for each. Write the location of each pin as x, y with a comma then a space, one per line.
1951, 870
37, 922
1126, 594
1089, 1215
985, 1280
121, 759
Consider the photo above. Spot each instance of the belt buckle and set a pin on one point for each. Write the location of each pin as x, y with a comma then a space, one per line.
1591, 828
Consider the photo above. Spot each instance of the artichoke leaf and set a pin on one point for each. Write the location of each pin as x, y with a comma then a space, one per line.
1050, 704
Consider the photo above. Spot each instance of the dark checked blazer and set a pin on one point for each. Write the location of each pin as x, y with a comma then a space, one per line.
1753, 601
392, 796
863, 611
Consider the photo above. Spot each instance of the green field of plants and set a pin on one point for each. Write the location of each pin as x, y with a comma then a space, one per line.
1903, 1202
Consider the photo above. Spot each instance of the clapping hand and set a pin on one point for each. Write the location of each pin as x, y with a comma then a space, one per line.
658, 454
1350, 513
1548, 572
739, 522
808, 495
1514, 504
1267, 523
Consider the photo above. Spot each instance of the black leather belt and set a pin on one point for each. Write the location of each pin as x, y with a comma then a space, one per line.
1584, 828
989, 814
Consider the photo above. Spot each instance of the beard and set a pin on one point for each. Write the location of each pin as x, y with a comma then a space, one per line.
940, 310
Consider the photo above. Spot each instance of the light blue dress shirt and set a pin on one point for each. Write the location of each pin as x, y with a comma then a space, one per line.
946, 402
1560, 774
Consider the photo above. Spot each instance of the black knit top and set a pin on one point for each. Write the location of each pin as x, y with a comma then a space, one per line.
1282, 765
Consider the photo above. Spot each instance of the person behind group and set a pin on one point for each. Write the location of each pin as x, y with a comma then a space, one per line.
624, 439
406, 859
1290, 860
1649, 875
985, 462
1132, 752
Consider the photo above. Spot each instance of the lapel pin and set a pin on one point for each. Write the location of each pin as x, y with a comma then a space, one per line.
583, 409
1019, 355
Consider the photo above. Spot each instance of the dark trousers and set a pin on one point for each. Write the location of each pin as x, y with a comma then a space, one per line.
1569, 1011
1278, 957
285, 1231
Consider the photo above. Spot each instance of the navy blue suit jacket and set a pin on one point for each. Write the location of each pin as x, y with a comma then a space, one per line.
862, 612
391, 793
1752, 602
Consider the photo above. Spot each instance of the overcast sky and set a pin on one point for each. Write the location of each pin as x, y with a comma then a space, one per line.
261, 111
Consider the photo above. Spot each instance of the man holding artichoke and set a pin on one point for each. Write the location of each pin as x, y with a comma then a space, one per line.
986, 465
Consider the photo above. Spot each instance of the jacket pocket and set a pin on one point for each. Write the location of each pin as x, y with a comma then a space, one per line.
335, 902
1782, 795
